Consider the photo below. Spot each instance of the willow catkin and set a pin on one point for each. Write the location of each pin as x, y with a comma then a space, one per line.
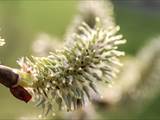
66, 77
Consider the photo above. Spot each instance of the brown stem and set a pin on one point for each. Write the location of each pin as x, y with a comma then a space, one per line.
8, 77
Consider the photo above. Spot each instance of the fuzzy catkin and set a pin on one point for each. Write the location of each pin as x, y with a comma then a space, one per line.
149, 83
67, 77
87, 11
2, 42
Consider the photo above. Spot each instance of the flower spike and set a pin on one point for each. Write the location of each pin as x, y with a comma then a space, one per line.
68, 76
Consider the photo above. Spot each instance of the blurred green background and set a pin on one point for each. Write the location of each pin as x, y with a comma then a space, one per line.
22, 20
